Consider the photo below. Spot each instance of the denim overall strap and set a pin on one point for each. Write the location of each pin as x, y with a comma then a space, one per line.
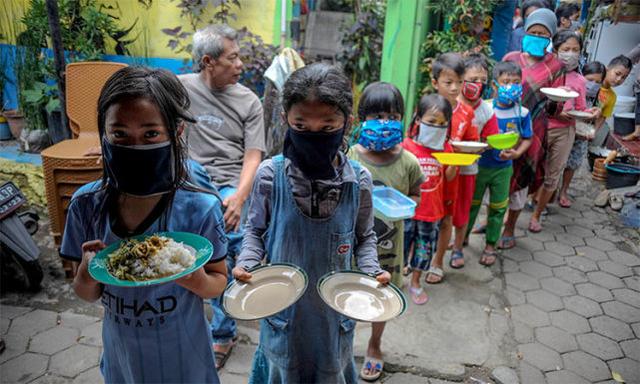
319, 246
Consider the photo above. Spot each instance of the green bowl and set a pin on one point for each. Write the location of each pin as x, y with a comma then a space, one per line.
503, 140
203, 251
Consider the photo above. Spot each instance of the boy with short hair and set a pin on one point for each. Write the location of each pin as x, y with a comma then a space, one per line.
447, 73
495, 166
617, 71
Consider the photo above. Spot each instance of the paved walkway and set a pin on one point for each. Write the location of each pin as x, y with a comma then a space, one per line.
562, 307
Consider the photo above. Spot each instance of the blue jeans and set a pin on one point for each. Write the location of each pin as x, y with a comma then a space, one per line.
424, 236
223, 328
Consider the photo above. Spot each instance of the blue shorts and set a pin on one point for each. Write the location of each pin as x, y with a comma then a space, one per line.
424, 236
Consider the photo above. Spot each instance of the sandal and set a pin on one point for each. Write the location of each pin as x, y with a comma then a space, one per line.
486, 256
564, 202
418, 295
616, 202
535, 226
479, 229
371, 364
222, 357
436, 272
507, 242
456, 255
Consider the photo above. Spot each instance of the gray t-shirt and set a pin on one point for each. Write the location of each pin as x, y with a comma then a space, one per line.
229, 122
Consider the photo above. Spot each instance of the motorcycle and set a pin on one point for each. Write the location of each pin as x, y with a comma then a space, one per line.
18, 252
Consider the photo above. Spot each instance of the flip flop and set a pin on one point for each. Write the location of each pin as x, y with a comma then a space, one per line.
371, 363
507, 242
616, 202
222, 357
456, 255
479, 229
486, 254
564, 202
418, 296
434, 271
535, 226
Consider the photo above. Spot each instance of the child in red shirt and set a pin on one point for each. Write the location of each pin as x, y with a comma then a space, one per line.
433, 117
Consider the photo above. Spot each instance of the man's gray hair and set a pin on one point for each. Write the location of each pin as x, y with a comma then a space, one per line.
210, 41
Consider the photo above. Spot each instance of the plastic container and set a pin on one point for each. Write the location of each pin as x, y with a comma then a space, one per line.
5, 131
503, 140
624, 123
457, 159
624, 104
622, 175
391, 205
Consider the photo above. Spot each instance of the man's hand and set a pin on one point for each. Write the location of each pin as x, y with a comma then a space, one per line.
384, 278
233, 212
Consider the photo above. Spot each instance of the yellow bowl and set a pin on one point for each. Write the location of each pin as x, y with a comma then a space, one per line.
461, 159
503, 140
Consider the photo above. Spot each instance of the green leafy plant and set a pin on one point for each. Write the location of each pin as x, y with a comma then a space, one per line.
467, 26
361, 56
43, 94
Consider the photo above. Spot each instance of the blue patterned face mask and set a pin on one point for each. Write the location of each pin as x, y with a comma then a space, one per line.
380, 135
535, 45
509, 94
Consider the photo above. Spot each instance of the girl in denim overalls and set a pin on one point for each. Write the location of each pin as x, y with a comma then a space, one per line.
310, 207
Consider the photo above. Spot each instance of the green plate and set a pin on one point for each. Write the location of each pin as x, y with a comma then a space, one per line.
200, 246
503, 140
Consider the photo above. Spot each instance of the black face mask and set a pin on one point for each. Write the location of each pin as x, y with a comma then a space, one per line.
313, 152
139, 170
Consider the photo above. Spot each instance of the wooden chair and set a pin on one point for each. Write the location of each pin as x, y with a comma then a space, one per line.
65, 166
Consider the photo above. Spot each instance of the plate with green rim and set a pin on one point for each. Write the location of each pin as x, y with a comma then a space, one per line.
361, 297
199, 246
272, 288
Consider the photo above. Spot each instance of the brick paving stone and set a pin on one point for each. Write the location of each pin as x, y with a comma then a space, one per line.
570, 322
581, 263
230, 378
530, 315
556, 339
557, 286
599, 346
609, 234
510, 266
514, 296
631, 349
611, 328
406, 378
24, 368
601, 244
74, 360
51, 379
530, 244
582, 306
53, 340
591, 253
242, 358
33, 322
521, 281
636, 329
627, 368
621, 311
504, 375
594, 292
4, 325
540, 356
570, 275
517, 254
624, 258
522, 332
529, 374
559, 248
11, 312
93, 375
564, 377
614, 268
548, 258
587, 366
579, 231
16, 344
543, 236
91, 335
535, 269
632, 282
74, 320
570, 240
606, 280
544, 300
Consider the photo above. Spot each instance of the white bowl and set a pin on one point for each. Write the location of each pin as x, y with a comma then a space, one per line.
559, 94
469, 146
580, 115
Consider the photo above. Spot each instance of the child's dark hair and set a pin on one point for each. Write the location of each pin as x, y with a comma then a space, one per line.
452, 61
380, 97
506, 68
476, 60
566, 10
434, 102
563, 36
621, 60
319, 81
594, 67
162, 88
532, 3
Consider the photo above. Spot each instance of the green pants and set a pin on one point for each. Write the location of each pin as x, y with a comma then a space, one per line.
498, 181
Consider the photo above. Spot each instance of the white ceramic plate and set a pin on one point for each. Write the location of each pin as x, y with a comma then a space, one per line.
579, 115
272, 288
469, 146
559, 94
360, 297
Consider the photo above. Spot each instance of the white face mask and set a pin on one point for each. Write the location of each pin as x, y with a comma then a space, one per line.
570, 59
432, 136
